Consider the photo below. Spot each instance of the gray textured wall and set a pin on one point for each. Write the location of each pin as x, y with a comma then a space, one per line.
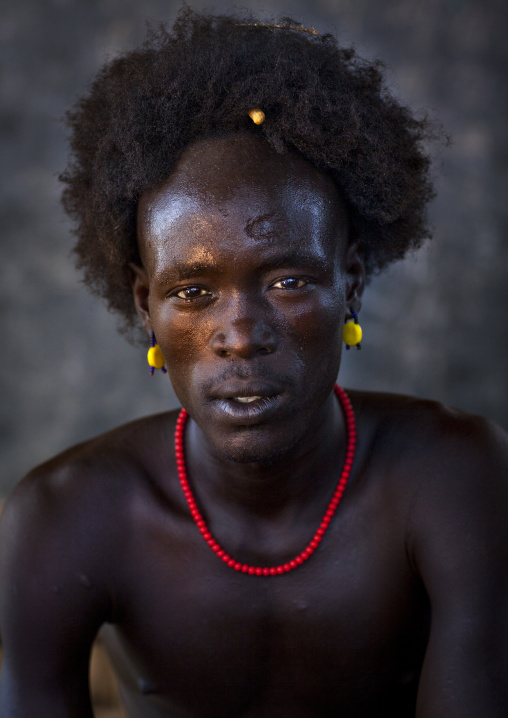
434, 325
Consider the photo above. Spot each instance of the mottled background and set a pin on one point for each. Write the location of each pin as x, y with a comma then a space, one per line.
434, 325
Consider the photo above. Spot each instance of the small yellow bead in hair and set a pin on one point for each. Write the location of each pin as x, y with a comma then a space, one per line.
257, 116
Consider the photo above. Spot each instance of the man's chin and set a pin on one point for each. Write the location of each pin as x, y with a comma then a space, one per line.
261, 455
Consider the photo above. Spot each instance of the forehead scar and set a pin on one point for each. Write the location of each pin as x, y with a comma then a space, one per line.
262, 227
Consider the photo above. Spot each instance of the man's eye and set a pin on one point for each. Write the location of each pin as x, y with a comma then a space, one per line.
191, 293
290, 283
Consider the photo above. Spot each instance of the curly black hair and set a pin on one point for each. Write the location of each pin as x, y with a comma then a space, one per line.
200, 78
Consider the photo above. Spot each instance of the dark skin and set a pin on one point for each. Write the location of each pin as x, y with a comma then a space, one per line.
247, 275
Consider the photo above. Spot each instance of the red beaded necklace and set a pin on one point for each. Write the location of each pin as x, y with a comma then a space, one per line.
323, 526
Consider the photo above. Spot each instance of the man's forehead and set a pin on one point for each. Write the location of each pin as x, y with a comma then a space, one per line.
262, 213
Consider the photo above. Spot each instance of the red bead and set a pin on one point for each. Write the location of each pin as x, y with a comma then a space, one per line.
226, 558
221, 553
252, 571
258, 571
266, 572
273, 571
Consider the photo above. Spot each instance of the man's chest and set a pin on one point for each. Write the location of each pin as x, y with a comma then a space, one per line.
200, 634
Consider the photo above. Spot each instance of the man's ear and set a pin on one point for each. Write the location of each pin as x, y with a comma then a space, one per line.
140, 291
355, 277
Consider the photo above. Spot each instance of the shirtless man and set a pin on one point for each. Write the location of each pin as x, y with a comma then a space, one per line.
245, 248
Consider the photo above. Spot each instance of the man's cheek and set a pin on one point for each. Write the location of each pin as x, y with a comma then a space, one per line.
181, 343
315, 330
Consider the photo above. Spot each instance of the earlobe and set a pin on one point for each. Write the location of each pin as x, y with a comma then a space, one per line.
355, 282
140, 292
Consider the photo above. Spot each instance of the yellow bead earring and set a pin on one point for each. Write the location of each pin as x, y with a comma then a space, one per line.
155, 357
352, 332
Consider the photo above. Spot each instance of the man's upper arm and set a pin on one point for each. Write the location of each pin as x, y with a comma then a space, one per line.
459, 531
51, 604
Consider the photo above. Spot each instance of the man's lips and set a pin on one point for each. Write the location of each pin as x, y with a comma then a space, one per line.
243, 413
247, 402
245, 390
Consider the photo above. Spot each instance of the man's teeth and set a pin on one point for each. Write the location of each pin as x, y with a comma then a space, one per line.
246, 399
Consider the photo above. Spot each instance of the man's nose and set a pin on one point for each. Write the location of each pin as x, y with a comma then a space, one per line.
243, 333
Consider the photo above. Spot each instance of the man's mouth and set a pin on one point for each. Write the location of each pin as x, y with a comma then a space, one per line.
241, 404
246, 410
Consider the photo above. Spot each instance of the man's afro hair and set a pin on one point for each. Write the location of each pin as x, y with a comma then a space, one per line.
200, 79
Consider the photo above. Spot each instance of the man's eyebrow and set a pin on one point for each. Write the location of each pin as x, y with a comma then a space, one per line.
295, 259
184, 270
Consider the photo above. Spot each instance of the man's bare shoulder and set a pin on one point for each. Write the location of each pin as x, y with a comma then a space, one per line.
78, 503
96, 466
426, 431
453, 469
